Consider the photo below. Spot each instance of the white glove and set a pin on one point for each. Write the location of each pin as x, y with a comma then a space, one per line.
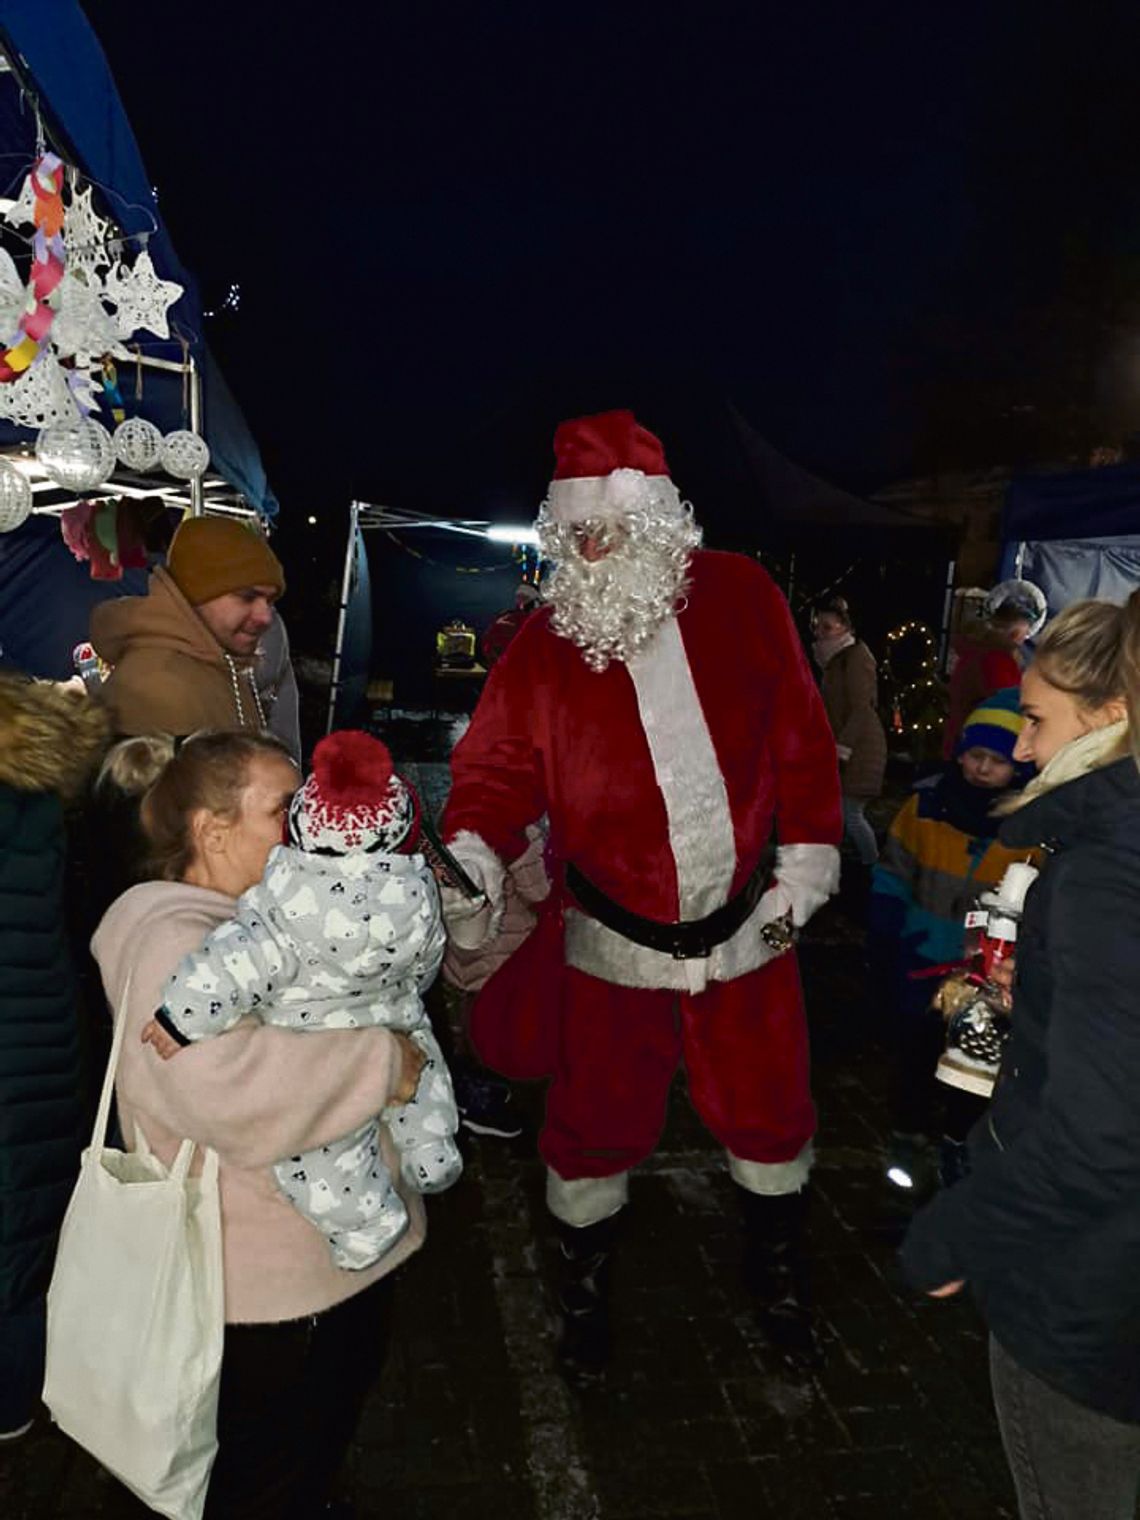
806, 876
472, 921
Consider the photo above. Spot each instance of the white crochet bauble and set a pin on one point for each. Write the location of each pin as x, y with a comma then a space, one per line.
185, 455
15, 497
138, 444
78, 456
41, 396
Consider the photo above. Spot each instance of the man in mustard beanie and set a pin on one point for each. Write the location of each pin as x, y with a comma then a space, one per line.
204, 647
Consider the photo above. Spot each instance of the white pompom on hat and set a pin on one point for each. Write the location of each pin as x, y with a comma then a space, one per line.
354, 800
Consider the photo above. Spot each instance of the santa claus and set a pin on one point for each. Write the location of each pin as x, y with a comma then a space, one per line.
660, 712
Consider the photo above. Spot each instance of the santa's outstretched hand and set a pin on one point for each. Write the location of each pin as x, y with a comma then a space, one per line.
472, 921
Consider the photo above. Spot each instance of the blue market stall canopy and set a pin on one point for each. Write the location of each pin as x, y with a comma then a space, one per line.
1075, 535
55, 58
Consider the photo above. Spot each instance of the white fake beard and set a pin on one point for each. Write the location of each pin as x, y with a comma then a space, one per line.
611, 608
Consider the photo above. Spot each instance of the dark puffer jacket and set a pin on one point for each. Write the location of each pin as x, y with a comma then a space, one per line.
1047, 1228
49, 741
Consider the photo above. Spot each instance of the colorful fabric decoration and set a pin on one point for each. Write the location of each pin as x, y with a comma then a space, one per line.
47, 273
107, 534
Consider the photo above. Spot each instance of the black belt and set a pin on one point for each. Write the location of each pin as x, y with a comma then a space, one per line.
695, 939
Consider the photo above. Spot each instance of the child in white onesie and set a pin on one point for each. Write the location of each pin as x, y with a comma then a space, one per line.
343, 932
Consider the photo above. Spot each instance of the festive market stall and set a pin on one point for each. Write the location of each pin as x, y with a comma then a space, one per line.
1076, 534
114, 419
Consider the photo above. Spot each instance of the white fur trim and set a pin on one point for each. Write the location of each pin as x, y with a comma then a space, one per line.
772, 1179
610, 496
809, 873
688, 773
471, 925
586, 1200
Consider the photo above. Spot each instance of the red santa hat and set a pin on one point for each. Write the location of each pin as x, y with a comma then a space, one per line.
605, 467
353, 800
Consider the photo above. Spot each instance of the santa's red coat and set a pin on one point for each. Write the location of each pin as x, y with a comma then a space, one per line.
551, 736
662, 781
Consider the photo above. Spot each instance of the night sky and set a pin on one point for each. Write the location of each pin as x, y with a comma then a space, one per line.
894, 236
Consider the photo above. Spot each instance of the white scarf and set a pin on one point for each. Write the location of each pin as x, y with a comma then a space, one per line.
1089, 752
825, 650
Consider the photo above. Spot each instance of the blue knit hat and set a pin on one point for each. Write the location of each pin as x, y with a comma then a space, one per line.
994, 724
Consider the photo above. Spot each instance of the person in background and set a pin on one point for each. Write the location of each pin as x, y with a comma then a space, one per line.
1046, 1227
493, 644
51, 739
990, 657
304, 1339
941, 853
276, 684
851, 698
188, 656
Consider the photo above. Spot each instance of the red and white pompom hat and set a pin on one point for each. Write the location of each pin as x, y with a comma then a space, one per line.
353, 800
606, 467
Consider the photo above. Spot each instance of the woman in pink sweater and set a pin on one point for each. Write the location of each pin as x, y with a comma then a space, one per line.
304, 1339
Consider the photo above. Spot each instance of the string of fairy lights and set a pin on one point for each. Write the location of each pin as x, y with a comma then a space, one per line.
907, 696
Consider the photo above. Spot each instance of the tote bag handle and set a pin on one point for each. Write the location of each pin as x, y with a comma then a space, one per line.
180, 1167
103, 1113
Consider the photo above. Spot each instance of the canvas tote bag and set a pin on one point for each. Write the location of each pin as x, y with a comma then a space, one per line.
135, 1315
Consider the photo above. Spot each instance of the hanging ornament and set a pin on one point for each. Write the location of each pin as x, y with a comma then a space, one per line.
138, 444
86, 388
83, 328
185, 455
141, 299
15, 497
23, 208
86, 234
78, 457
13, 296
34, 326
40, 396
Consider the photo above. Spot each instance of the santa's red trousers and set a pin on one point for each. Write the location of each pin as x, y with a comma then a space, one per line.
745, 1049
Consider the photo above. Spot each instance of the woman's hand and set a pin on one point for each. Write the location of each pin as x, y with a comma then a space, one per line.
947, 1290
412, 1060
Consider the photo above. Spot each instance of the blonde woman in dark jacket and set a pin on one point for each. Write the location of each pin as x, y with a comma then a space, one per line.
1046, 1229
850, 686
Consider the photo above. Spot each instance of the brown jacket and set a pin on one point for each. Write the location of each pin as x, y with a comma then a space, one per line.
170, 674
851, 697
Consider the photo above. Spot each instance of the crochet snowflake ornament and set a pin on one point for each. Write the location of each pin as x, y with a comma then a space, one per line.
140, 298
40, 397
86, 235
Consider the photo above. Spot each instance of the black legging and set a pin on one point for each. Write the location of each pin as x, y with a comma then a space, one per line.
291, 1397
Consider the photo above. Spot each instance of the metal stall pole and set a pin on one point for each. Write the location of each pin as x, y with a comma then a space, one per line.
345, 589
947, 613
197, 505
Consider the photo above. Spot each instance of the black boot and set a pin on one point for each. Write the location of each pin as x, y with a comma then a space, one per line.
775, 1274
585, 1256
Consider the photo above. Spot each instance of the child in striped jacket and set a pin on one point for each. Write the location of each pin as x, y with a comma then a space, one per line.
942, 852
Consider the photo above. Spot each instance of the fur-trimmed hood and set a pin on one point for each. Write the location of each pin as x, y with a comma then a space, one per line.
51, 737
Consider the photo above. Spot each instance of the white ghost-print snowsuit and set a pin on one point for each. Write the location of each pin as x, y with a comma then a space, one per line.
336, 942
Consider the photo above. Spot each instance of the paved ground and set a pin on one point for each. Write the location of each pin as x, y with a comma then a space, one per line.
471, 1422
